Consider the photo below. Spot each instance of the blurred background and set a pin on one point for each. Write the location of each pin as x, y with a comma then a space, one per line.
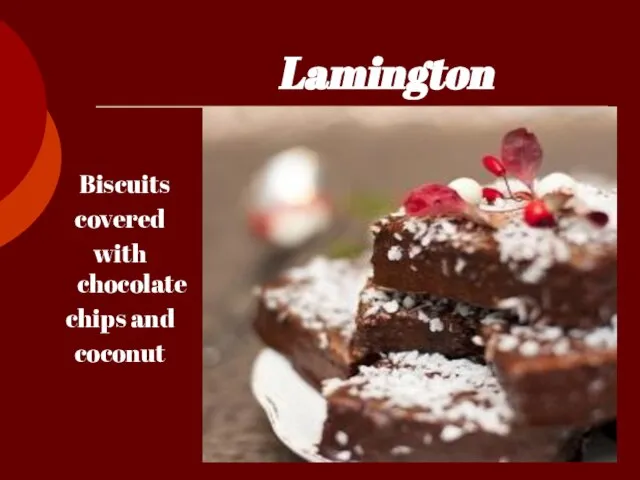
368, 158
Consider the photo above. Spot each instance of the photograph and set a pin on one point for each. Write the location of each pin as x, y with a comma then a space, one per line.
409, 284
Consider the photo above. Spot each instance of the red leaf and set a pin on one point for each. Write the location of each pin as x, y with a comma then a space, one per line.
434, 199
521, 155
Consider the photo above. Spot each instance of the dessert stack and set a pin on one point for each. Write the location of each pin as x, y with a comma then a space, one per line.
482, 329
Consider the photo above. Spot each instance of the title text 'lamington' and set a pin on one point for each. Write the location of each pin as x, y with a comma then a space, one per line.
415, 82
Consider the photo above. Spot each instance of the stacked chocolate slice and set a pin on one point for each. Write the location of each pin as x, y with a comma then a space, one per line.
476, 333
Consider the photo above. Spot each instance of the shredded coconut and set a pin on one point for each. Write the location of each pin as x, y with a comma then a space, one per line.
507, 343
323, 294
436, 325
391, 307
445, 267
524, 307
426, 308
531, 251
401, 450
394, 254
342, 438
528, 251
457, 393
323, 340
451, 433
561, 347
536, 340
537, 248
401, 212
460, 264
529, 348
426, 232
343, 456
408, 302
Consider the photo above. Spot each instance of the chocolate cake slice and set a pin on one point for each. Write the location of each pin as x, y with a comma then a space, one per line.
565, 275
555, 377
392, 321
426, 408
308, 315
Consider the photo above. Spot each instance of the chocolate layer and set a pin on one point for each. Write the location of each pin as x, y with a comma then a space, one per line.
564, 275
309, 316
413, 407
390, 321
553, 377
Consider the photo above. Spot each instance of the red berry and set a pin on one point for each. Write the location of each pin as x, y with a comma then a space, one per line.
598, 218
491, 194
433, 199
537, 214
521, 155
494, 165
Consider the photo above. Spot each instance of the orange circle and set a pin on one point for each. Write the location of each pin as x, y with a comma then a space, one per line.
22, 207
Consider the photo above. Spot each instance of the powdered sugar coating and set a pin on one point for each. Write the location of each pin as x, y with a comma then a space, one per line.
323, 294
462, 396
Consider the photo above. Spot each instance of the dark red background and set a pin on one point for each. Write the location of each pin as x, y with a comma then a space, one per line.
93, 418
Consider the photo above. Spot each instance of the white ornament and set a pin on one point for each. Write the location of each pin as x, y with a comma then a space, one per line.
468, 189
288, 228
291, 177
554, 182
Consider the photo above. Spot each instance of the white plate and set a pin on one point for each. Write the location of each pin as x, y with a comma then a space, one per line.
297, 411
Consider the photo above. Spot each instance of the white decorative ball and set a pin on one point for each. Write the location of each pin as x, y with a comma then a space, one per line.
468, 189
290, 228
554, 182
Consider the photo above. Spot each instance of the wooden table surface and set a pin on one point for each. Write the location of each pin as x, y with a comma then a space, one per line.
357, 158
